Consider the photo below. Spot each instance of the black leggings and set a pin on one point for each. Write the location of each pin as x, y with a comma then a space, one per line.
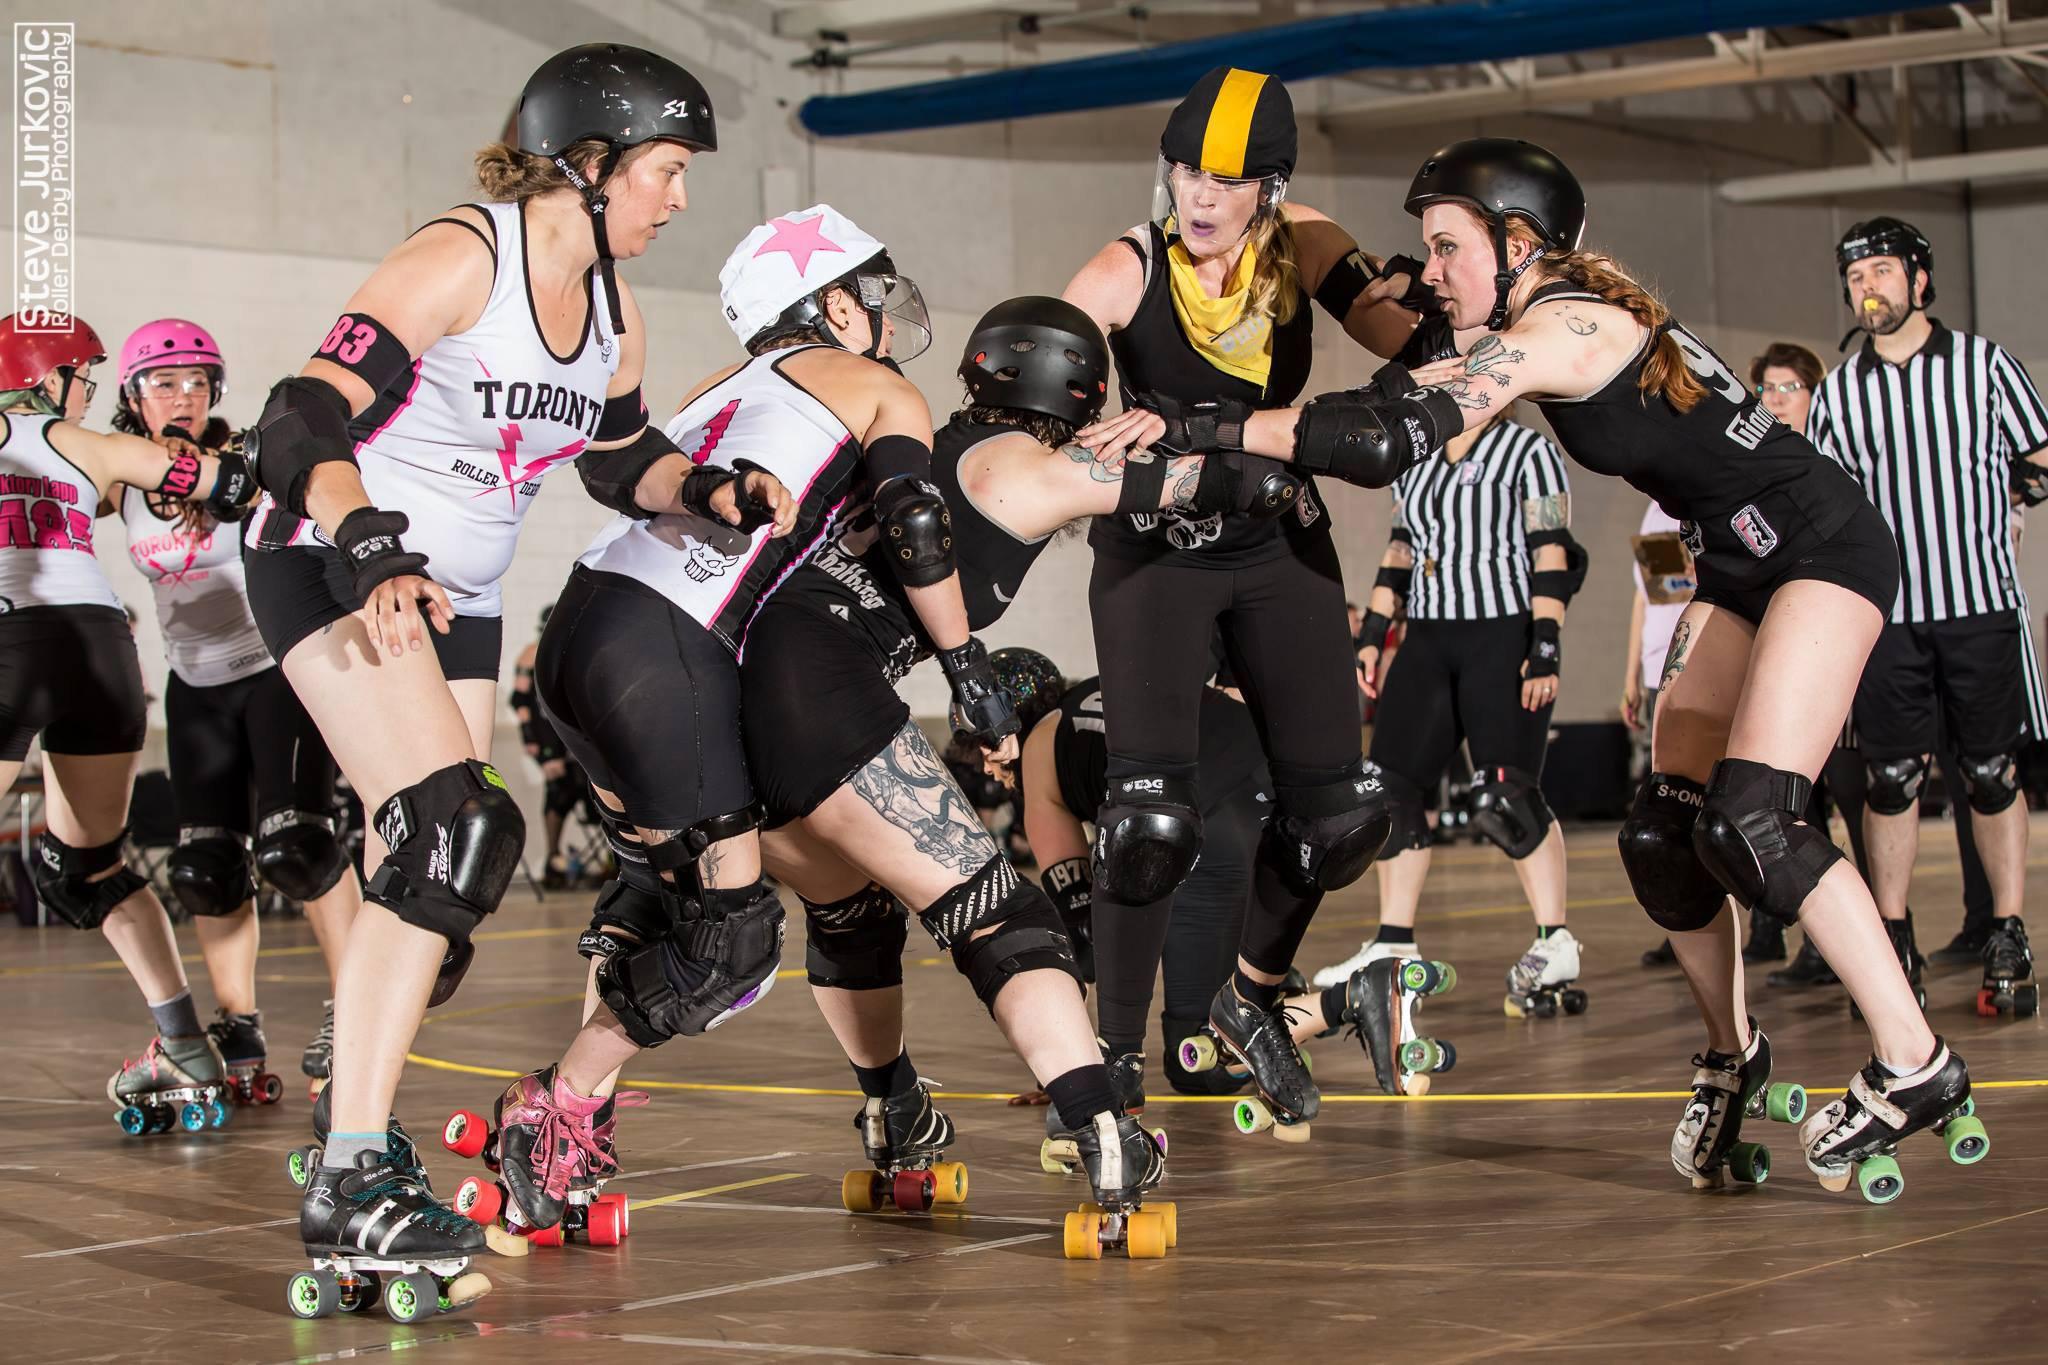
244, 749
1453, 682
1288, 643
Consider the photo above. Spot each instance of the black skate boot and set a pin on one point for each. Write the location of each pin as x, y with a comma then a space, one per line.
1766, 940
1059, 1154
1966, 949
1225, 1079
240, 1040
2008, 972
1663, 955
303, 1161
904, 1137
175, 1083
317, 1061
1123, 1161
1858, 1133
1809, 968
1900, 932
1380, 1002
1261, 1040
1727, 1088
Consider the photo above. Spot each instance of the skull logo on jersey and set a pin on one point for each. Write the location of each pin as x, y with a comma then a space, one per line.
709, 548
1182, 533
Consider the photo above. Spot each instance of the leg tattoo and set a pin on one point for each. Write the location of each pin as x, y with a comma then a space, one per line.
908, 786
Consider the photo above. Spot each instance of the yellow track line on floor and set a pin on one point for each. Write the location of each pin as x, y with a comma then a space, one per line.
639, 1204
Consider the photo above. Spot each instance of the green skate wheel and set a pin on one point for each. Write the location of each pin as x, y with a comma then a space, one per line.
1880, 1179
1969, 1107
1749, 1163
298, 1164
408, 1298
1968, 1143
1307, 1063
1426, 978
313, 1294
1422, 1055
1785, 1102
1251, 1116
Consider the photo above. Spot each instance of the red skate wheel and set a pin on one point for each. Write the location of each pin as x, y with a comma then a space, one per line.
912, 1191
546, 1237
1985, 1005
618, 1201
269, 1089
465, 1133
607, 1224
479, 1202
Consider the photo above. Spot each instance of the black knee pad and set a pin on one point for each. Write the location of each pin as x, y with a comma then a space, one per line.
209, 871
1993, 782
1750, 837
1148, 835
1407, 819
637, 902
1509, 809
856, 944
297, 853
1327, 835
1027, 935
1894, 783
721, 959
62, 875
455, 838
1671, 883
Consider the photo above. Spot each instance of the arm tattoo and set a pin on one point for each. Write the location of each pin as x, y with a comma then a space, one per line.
1491, 359
1583, 327
1400, 555
1183, 475
1552, 512
908, 786
1099, 469
1674, 662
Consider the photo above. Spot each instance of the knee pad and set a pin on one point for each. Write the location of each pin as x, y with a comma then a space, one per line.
297, 853
856, 944
1327, 836
1407, 820
63, 878
721, 959
637, 902
1993, 782
209, 871
1027, 932
1671, 883
1509, 809
686, 848
455, 838
1895, 783
1147, 837
1750, 837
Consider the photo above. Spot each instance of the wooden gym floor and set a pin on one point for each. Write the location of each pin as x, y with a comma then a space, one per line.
1526, 1209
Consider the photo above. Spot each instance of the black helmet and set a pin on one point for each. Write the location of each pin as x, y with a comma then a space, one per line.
1236, 124
1038, 354
626, 96
1498, 176
1031, 680
1887, 237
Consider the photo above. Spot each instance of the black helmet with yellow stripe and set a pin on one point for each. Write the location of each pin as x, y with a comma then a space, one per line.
1235, 125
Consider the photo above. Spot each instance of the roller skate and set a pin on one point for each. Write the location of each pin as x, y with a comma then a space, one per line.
1966, 948
1060, 1153
175, 1083
2008, 972
240, 1040
1262, 1041
1225, 1078
1727, 1088
317, 1061
1123, 1161
1368, 953
1859, 1133
303, 1160
1541, 983
904, 1136
1380, 1002
544, 1136
1809, 968
376, 1233
588, 1213
1900, 932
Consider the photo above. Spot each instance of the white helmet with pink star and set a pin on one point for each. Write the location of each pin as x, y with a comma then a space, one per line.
771, 282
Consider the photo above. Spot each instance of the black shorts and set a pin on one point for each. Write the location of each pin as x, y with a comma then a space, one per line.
1966, 673
71, 675
1862, 556
303, 588
818, 703
1455, 682
243, 750
646, 699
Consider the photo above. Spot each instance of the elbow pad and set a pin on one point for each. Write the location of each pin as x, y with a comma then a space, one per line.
612, 477
917, 531
1562, 584
304, 425
1370, 443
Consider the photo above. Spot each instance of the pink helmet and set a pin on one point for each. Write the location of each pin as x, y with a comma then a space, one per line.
167, 342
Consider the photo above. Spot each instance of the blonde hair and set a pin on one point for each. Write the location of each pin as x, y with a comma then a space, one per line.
507, 175
1665, 372
1276, 276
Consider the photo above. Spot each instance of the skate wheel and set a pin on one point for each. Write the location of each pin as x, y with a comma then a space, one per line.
1295, 1133
362, 1292
269, 1089
299, 1164
1198, 1053
625, 1214
912, 1191
464, 1289
1420, 977
857, 1192
551, 1236
408, 1298
1084, 1236
1058, 1156
1145, 1236
605, 1224
1171, 1213
216, 1115
950, 1179
1749, 1163
132, 1120
2026, 1002
1880, 1179
192, 1118
1575, 1002
1986, 1005
1968, 1143
465, 1133
315, 1086
479, 1201
1159, 1140
313, 1294
1423, 1055
1251, 1116
1785, 1102
1512, 1008
1969, 1108
1837, 1181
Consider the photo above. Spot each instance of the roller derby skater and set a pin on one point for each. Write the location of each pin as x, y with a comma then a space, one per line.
1857, 1135
177, 1082
2009, 986
1540, 982
1727, 1088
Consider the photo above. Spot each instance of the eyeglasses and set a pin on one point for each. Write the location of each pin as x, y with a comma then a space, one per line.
164, 386
1790, 386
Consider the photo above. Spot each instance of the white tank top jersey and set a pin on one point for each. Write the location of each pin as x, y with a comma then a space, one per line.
461, 441
712, 572
47, 505
202, 601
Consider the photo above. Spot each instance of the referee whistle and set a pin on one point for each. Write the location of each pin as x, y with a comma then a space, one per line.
1871, 305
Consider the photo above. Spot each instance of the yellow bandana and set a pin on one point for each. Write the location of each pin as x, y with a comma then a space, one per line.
1223, 330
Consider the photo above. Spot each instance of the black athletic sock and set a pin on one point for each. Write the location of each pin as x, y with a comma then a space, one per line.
1394, 933
884, 1082
1334, 1004
1256, 992
1081, 1094
1544, 931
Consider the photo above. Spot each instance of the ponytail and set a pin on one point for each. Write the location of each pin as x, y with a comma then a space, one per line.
1665, 373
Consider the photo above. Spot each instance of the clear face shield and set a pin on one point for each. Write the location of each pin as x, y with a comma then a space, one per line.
882, 291
1175, 183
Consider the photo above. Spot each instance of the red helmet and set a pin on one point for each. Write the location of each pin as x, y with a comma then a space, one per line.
27, 358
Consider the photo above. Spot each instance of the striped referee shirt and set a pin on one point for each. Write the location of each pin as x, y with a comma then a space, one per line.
1465, 523
1932, 442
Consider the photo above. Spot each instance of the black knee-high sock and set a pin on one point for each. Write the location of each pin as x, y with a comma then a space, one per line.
1128, 942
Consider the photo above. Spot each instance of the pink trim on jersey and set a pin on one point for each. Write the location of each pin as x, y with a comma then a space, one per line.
829, 525
825, 525
418, 369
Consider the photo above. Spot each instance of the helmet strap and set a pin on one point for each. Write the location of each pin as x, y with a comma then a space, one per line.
595, 202
1504, 278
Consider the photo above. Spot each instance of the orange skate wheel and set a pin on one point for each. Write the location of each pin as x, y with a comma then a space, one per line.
1145, 1236
1171, 1213
1084, 1237
546, 1237
952, 1182
857, 1193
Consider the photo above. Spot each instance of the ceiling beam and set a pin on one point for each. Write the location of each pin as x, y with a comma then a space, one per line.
2019, 163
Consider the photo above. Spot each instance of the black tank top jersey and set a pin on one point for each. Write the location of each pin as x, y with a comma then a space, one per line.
1230, 750
1433, 339
1153, 355
1743, 481
992, 560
